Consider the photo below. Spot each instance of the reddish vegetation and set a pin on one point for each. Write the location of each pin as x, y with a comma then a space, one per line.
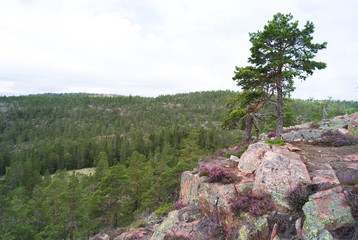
251, 204
217, 174
337, 139
178, 205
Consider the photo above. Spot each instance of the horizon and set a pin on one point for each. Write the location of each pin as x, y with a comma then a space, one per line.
170, 94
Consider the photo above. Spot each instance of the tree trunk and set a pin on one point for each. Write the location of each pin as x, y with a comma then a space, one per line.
279, 126
115, 215
249, 120
72, 229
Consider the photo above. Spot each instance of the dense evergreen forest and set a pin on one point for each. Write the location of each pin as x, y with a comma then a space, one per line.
139, 147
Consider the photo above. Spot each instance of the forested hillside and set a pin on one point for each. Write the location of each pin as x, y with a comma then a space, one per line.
139, 147
68, 131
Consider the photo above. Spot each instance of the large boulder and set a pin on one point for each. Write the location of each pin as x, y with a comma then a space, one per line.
279, 172
292, 136
252, 157
214, 202
310, 134
302, 135
213, 199
325, 210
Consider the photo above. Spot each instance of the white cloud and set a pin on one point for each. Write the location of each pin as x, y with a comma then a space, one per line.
152, 47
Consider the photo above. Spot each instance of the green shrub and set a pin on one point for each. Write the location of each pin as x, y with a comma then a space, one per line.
164, 209
278, 142
237, 153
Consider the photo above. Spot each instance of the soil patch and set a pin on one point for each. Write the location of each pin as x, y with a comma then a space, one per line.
343, 160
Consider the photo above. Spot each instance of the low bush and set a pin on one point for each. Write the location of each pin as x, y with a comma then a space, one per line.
237, 151
285, 224
337, 139
251, 204
352, 200
178, 205
278, 142
164, 209
217, 174
271, 134
298, 196
348, 179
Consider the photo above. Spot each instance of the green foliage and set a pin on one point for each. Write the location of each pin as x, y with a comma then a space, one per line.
237, 153
164, 209
67, 131
232, 120
279, 53
101, 165
140, 147
278, 142
289, 118
244, 108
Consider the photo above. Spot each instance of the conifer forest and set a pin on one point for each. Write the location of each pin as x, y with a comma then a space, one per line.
72, 165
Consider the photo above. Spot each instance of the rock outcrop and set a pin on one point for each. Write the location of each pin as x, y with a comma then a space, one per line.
326, 211
264, 170
276, 171
305, 132
252, 157
279, 172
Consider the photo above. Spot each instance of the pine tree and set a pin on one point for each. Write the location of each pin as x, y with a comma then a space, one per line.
280, 53
114, 193
141, 177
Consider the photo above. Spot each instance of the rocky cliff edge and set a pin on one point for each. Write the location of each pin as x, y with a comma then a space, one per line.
295, 191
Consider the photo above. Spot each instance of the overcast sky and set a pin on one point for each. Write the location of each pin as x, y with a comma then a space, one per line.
154, 47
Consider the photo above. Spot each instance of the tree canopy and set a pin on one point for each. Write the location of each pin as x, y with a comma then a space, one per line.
280, 53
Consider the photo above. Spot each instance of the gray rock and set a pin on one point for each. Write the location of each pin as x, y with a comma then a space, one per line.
292, 137
325, 235
190, 213
234, 158
168, 223
100, 236
310, 134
